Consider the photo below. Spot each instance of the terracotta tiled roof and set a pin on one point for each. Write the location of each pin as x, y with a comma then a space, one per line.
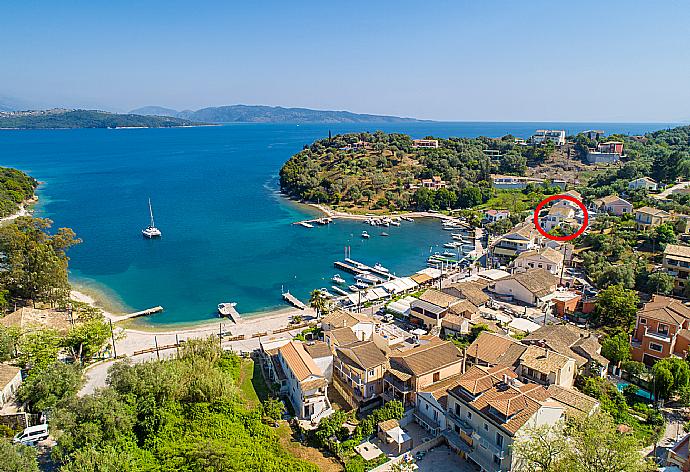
479, 379
387, 425
543, 360
576, 403
677, 250
318, 349
341, 318
463, 308
343, 336
495, 349
472, 291
665, 309
539, 282
652, 211
298, 361
438, 298
7, 373
439, 390
27, 318
426, 358
548, 253
362, 355
570, 341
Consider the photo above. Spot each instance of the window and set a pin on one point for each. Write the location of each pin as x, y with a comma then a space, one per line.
543, 377
437, 376
457, 409
372, 372
426, 406
469, 415
499, 440
655, 347
497, 460
435, 415
643, 320
486, 427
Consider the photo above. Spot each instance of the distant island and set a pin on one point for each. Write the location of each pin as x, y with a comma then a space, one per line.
269, 114
68, 118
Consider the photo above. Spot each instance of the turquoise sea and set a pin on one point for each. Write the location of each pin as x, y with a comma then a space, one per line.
227, 232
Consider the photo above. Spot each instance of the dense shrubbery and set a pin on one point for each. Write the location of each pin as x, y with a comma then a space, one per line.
15, 187
184, 414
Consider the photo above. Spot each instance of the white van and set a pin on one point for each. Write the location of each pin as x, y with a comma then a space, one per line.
31, 435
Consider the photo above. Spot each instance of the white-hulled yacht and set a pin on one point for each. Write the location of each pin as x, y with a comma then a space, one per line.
151, 231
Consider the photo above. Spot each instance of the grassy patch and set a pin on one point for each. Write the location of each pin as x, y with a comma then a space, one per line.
251, 383
309, 454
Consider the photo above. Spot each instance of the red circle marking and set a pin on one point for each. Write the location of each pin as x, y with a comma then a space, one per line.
561, 197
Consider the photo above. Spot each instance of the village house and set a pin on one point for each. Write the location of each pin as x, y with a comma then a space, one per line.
513, 182
556, 216
522, 237
644, 183
529, 287
546, 367
576, 403
10, 380
432, 403
340, 337
361, 325
543, 136
430, 308
606, 153
273, 368
679, 455
28, 319
472, 291
431, 361
613, 204
661, 330
307, 386
488, 409
494, 349
573, 342
543, 258
322, 355
594, 134
434, 183
460, 317
425, 143
492, 216
648, 217
358, 373
676, 262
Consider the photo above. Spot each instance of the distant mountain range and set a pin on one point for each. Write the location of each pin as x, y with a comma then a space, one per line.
267, 114
66, 118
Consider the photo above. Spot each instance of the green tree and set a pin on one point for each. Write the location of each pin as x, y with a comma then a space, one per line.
17, 458
663, 381
318, 301
616, 308
86, 339
660, 282
8, 341
616, 348
44, 389
469, 197
541, 449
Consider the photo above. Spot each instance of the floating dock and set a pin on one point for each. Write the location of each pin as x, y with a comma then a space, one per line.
292, 300
228, 310
347, 268
150, 311
365, 268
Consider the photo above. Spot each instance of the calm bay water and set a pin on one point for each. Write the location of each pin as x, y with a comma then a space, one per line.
227, 233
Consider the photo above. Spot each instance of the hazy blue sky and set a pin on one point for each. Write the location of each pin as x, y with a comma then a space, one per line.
454, 60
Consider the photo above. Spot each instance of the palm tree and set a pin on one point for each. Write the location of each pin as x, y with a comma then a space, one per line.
317, 301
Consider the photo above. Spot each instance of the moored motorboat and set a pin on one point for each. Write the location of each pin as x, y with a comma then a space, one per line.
353, 288
385, 234
365, 235
338, 279
380, 268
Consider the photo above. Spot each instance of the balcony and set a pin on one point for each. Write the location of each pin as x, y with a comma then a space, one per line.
657, 336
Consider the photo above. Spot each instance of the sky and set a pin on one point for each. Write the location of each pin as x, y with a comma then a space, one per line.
619, 61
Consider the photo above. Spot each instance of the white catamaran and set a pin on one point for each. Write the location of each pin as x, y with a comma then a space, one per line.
151, 231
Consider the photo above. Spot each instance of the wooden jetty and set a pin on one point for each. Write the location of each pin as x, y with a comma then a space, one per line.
228, 310
318, 221
292, 300
347, 268
149, 311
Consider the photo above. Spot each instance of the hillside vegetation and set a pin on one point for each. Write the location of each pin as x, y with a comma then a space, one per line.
15, 187
384, 173
86, 119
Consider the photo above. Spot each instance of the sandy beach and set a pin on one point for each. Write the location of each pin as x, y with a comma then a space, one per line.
337, 214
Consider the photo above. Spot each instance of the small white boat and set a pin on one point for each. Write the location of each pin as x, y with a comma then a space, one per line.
338, 279
326, 293
354, 288
448, 254
380, 268
365, 235
361, 286
407, 218
385, 234
151, 231
226, 309
305, 224
395, 223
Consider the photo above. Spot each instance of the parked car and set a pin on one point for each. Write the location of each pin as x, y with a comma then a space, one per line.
31, 435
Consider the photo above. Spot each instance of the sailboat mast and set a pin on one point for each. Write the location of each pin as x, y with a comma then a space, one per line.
151, 213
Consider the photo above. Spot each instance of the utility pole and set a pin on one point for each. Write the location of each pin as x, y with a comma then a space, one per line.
112, 336
158, 354
220, 335
177, 345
